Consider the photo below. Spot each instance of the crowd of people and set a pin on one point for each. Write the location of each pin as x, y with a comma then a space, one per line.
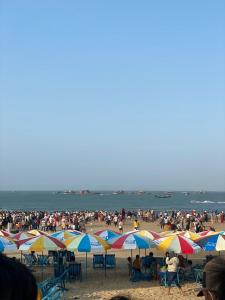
51, 221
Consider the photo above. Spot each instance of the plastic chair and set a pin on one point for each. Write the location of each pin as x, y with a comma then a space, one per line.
98, 261
110, 261
54, 294
74, 271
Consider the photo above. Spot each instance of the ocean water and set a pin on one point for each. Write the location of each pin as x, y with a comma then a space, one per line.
52, 201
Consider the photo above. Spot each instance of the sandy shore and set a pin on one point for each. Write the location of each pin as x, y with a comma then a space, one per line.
97, 286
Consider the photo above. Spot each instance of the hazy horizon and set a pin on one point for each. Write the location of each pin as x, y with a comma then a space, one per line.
112, 95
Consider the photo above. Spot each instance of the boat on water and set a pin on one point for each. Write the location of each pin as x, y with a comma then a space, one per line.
166, 195
186, 193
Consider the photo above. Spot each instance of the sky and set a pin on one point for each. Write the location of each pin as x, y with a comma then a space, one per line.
111, 95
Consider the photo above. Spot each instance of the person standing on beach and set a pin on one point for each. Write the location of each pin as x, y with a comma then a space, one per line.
172, 262
121, 226
136, 224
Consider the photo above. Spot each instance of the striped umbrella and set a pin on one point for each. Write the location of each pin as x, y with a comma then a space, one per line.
131, 241
7, 245
178, 244
209, 242
4, 233
107, 234
86, 243
40, 243
62, 235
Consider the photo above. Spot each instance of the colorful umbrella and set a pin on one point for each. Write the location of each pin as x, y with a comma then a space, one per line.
7, 245
131, 241
86, 243
107, 234
4, 233
178, 244
208, 242
40, 243
62, 235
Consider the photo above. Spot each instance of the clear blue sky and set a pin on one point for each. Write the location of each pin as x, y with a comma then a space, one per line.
112, 95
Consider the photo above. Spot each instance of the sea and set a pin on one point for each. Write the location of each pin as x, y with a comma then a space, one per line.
55, 201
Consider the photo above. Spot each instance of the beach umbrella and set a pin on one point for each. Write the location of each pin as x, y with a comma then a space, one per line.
62, 235
7, 245
86, 243
36, 232
4, 233
40, 243
131, 241
209, 242
107, 234
178, 244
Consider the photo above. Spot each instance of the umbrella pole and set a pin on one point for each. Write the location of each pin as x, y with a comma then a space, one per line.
131, 256
139, 251
145, 251
86, 265
105, 262
42, 267
21, 256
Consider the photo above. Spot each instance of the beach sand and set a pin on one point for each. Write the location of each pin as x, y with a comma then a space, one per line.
116, 281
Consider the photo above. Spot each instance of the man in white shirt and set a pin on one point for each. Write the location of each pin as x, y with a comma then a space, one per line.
172, 262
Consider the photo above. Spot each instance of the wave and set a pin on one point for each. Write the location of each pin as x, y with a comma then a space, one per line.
206, 201
202, 202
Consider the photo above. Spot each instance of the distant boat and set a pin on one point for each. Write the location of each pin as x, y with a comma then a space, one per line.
163, 195
118, 192
186, 193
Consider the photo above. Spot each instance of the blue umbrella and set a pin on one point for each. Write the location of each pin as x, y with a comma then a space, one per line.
208, 243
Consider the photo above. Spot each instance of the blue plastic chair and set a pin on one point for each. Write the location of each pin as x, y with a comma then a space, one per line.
110, 261
75, 271
98, 261
54, 294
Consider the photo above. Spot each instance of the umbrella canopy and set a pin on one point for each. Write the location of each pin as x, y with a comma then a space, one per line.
21, 236
206, 233
152, 235
209, 242
131, 241
86, 243
178, 244
7, 245
220, 245
107, 234
4, 233
62, 235
37, 232
190, 235
40, 243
